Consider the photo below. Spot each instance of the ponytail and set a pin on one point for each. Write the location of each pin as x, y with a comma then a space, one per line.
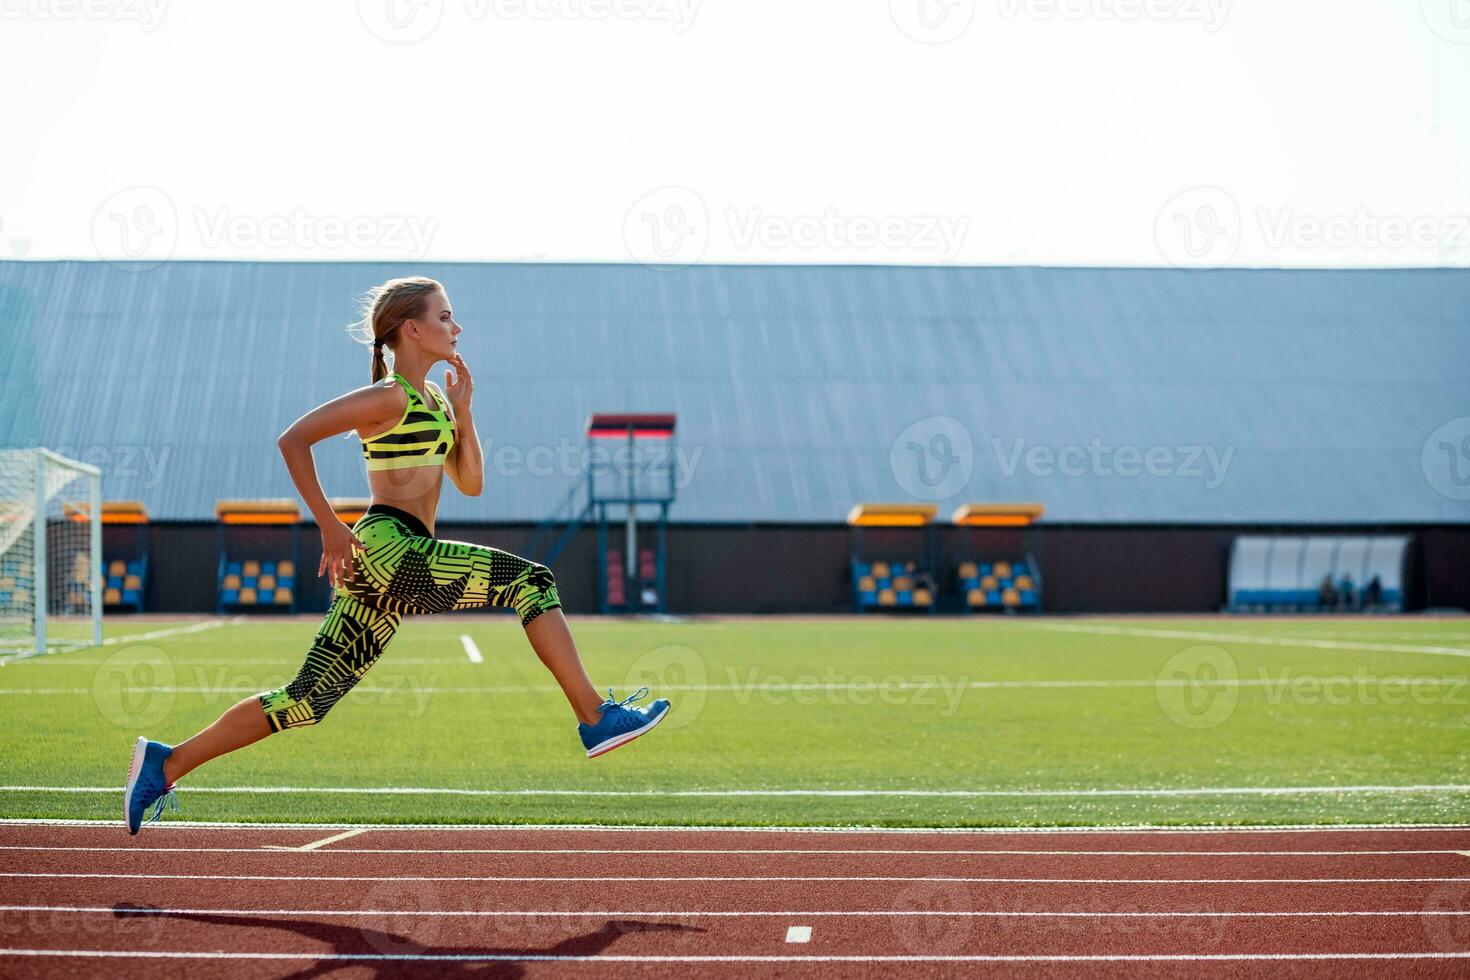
384, 309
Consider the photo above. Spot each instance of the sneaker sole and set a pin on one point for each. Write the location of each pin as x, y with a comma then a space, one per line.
624, 739
140, 749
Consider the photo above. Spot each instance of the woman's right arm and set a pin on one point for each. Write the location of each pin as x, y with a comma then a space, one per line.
365, 408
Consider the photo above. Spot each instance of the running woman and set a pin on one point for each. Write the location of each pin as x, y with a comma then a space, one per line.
389, 563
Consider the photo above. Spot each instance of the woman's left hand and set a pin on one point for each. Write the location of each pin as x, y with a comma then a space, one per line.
458, 384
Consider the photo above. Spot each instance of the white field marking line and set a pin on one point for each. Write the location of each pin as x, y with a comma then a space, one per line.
763, 793
183, 663
799, 934
875, 687
124, 876
795, 958
1150, 830
737, 913
1267, 641
740, 851
159, 634
470, 650
314, 845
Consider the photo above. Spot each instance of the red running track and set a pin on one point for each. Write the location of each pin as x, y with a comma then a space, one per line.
85, 901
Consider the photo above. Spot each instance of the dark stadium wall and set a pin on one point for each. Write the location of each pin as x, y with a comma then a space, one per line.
804, 568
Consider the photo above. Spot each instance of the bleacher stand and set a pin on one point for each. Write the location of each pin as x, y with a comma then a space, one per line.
892, 585
998, 585
262, 581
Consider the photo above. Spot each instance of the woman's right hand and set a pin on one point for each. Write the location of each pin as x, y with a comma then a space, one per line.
338, 543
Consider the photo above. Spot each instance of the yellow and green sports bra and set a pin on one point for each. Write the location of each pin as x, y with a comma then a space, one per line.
423, 437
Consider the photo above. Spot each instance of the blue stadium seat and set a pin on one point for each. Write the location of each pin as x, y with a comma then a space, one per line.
985, 568
905, 598
1028, 599
267, 568
4, 596
230, 597
135, 567
992, 598
114, 581
131, 597
868, 598
232, 568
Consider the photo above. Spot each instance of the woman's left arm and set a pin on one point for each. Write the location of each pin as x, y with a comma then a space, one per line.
465, 463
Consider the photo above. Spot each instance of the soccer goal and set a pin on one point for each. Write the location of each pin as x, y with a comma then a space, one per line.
50, 552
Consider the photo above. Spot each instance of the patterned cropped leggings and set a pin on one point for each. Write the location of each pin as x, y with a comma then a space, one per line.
403, 570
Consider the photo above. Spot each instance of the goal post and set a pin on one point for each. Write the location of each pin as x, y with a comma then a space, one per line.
50, 552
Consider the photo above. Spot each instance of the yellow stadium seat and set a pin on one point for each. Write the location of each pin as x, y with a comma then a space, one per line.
7, 582
283, 597
1010, 597
79, 574
880, 569
286, 568
976, 597
266, 583
112, 597
133, 582
230, 582
867, 583
887, 598
988, 582
1024, 582
250, 569
22, 597
1002, 569
247, 597
922, 597
118, 567
968, 570
903, 584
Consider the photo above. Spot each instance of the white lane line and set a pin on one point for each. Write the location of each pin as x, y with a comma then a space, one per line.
470, 650
740, 851
799, 934
1266, 641
736, 913
824, 830
727, 878
314, 845
712, 958
158, 634
759, 793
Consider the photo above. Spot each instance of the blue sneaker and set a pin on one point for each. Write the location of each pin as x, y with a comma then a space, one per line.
619, 723
146, 783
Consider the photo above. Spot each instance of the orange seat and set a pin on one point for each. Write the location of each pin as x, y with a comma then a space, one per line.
1024, 582
1002, 569
976, 597
988, 582
230, 582
880, 569
903, 584
250, 569
1010, 597
283, 596
887, 598
247, 597
112, 597
286, 568
923, 597
133, 582
968, 570
266, 583
117, 567
867, 583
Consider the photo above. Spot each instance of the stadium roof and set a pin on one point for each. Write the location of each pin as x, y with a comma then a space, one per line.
1108, 395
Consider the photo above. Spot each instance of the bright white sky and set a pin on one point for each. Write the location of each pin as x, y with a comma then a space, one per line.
1063, 132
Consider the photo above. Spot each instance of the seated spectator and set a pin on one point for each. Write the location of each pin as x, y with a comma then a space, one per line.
1326, 593
1373, 593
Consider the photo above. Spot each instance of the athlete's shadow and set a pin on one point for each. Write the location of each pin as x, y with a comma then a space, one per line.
361, 940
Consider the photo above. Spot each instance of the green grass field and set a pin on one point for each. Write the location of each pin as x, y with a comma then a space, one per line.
1075, 719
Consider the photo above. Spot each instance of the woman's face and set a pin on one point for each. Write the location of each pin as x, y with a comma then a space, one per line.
436, 331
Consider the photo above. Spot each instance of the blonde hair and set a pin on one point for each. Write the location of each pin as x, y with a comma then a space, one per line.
384, 309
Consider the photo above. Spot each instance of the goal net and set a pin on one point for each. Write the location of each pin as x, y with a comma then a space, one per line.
50, 552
